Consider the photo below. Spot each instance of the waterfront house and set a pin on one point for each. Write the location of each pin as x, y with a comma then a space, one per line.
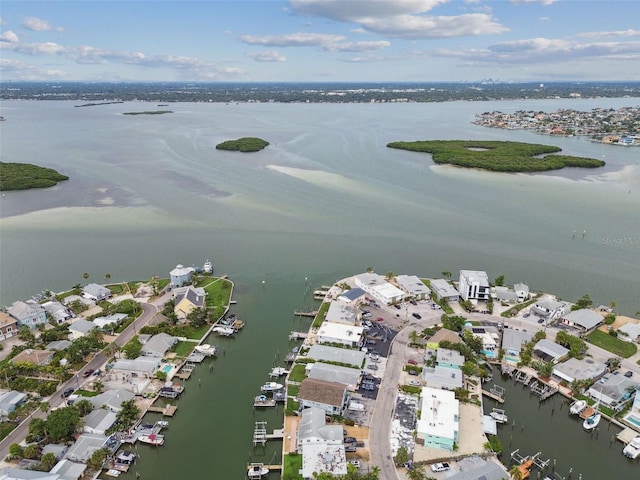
187, 300
583, 320
473, 285
10, 400
37, 357
80, 328
58, 345
334, 373
612, 390
449, 358
379, 288
111, 399
84, 446
414, 287
575, 369
110, 321
633, 417
340, 313
96, 292
81, 300
444, 378
159, 345
348, 335
99, 421
343, 356
320, 444
8, 326
328, 396
629, 332
438, 426
353, 296
28, 314
57, 449
12, 473
522, 291
141, 367
68, 470
512, 343
181, 275
504, 295
443, 335
549, 310
58, 312
478, 468
443, 290
489, 336
548, 351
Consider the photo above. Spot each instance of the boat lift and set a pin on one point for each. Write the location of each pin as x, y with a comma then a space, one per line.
260, 434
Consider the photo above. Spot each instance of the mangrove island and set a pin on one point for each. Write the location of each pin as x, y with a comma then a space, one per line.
245, 144
22, 176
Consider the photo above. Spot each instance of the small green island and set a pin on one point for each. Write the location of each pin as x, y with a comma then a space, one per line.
497, 156
22, 176
149, 112
245, 144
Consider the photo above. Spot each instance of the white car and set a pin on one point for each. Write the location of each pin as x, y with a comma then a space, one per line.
355, 463
440, 467
414, 383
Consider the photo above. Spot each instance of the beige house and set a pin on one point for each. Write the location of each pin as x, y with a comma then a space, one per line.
8, 326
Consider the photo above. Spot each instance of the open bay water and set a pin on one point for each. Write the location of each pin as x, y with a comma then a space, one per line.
325, 200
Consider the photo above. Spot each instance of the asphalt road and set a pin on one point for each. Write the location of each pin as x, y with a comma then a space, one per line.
18, 434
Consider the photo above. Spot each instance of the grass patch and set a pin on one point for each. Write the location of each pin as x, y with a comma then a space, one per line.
292, 390
298, 373
292, 406
194, 333
183, 349
322, 311
7, 427
292, 466
85, 393
218, 294
612, 344
116, 288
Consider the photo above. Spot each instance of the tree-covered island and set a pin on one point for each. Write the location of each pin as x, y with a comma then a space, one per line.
149, 112
497, 156
245, 144
22, 176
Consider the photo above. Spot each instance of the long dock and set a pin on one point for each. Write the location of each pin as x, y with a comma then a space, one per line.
168, 411
302, 313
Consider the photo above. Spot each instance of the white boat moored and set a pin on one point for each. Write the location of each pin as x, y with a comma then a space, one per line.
632, 449
577, 407
271, 386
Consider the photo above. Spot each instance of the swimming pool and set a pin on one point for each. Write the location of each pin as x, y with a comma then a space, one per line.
167, 368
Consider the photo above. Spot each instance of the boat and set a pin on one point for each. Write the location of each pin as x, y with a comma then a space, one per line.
162, 424
264, 401
207, 267
577, 407
271, 386
126, 457
499, 416
152, 439
592, 422
632, 449
206, 349
278, 372
257, 470
224, 331
112, 472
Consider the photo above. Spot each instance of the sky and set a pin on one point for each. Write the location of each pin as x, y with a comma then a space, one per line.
320, 40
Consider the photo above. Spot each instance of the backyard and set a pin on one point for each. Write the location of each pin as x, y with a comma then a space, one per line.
612, 344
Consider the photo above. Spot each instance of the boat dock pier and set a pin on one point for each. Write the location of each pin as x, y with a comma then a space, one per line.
523, 377
626, 435
302, 313
543, 390
496, 393
263, 401
297, 335
260, 435
168, 411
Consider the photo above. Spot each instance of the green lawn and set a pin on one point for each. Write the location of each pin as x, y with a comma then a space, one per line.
298, 373
183, 349
292, 465
292, 390
612, 344
322, 311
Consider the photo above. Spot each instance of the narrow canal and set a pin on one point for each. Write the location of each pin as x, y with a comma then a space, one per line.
547, 427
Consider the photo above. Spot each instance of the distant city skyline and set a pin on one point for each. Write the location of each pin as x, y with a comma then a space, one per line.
320, 40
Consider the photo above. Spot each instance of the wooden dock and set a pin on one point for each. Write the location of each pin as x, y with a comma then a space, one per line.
168, 411
496, 393
301, 313
626, 435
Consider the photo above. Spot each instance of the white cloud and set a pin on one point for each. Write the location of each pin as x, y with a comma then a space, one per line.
364, 59
9, 37
299, 39
352, 11
613, 34
48, 48
267, 56
27, 71
38, 25
541, 2
357, 46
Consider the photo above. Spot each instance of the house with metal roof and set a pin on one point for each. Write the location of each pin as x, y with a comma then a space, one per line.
58, 312
344, 356
320, 444
414, 287
28, 314
612, 390
334, 373
438, 426
548, 351
10, 400
142, 365
69, 470
504, 294
478, 468
575, 369
99, 421
181, 275
159, 345
352, 296
313, 428
95, 292
443, 290
58, 345
474, 285
11, 473
512, 343
629, 332
328, 396
342, 313
111, 399
110, 321
58, 450
584, 320
188, 300
80, 328
84, 446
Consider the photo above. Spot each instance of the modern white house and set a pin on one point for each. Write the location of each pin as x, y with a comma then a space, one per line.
379, 288
438, 426
340, 312
474, 285
28, 314
95, 292
349, 335
181, 275
330, 397
490, 338
583, 320
443, 290
414, 287
549, 309
110, 321
522, 291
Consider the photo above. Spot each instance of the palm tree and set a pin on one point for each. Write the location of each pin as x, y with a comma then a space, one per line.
107, 277
369, 269
389, 275
516, 473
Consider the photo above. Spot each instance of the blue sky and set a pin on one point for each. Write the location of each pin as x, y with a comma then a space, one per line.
320, 40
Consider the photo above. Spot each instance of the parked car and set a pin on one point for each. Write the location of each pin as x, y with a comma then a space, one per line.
355, 463
629, 374
416, 315
440, 467
87, 372
379, 319
397, 306
411, 361
413, 372
372, 367
67, 392
350, 439
414, 383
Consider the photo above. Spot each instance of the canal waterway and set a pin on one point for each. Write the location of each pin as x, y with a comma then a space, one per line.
548, 428
325, 200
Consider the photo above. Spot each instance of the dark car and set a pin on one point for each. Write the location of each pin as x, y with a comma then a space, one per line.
416, 315
350, 440
397, 306
88, 372
629, 374
67, 392
413, 302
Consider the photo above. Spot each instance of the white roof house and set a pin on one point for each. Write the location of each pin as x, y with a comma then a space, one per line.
313, 428
413, 286
85, 445
11, 473
445, 378
340, 312
582, 319
99, 421
629, 332
549, 309
95, 292
58, 345
80, 328
158, 345
181, 275
438, 426
522, 291
109, 320
612, 389
68, 470
323, 458
379, 288
111, 399
443, 290
574, 369
334, 373
334, 354
474, 285
549, 351
330, 332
